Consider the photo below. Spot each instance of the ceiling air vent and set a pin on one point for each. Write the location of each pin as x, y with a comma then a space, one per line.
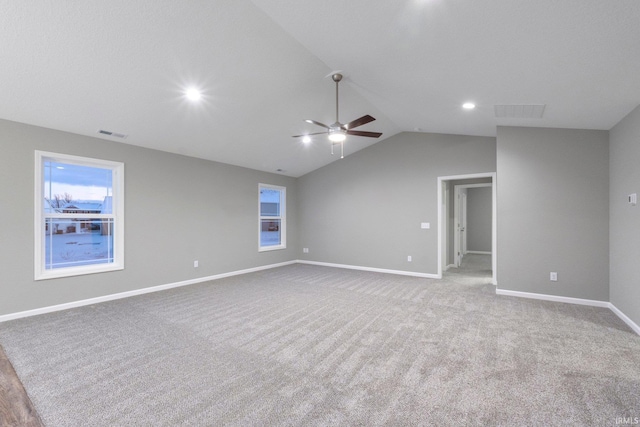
519, 111
114, 134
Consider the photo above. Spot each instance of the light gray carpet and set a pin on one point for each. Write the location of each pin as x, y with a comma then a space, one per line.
309, 345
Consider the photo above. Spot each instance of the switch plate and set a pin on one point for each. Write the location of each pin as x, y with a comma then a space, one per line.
553, 276
409, 258
425, 225
305, 250
633, 199
195, 264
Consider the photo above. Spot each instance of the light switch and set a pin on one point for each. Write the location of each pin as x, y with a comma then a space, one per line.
425, 225
633, 199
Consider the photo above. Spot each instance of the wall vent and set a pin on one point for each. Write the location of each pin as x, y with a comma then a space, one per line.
519, 111
114, 134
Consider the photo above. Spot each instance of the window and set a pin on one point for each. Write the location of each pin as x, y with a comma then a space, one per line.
79, 215
272, 219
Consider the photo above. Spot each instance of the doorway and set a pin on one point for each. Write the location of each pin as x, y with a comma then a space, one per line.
472, 231
453, 232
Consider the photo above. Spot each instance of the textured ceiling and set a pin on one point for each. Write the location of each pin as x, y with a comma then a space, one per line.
122, 66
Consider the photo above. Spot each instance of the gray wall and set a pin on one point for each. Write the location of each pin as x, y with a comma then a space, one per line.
479, 219
553, 211
366, 209
178, 209
624, 218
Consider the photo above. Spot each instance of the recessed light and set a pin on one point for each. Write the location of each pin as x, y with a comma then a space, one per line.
193, 94
468, 105
306, 139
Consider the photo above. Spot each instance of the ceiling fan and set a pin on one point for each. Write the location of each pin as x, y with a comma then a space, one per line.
337, 131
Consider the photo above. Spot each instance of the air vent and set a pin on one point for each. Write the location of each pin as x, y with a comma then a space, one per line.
114, 134
519, 111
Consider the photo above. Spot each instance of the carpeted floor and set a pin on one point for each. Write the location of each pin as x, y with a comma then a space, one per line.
310, 345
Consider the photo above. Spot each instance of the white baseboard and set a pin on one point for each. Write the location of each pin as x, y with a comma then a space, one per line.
105, 298
545, 297
570, 300
449, 266
479, 252
376, 270
625, 319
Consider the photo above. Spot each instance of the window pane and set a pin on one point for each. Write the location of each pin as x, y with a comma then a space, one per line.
270, 232
272, 221
81, 222
66, 185
77, 242
269, 202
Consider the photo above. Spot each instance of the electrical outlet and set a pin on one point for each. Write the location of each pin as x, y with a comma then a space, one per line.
305, 250
195, 264
409, 258
553, 276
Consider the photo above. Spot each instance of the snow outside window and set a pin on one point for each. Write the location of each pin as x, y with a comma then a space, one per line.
79, 217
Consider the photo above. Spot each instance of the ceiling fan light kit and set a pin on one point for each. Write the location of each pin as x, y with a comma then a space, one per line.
338, 132
337, 135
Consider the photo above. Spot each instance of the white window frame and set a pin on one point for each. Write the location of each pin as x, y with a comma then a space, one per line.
282, 217
117, 216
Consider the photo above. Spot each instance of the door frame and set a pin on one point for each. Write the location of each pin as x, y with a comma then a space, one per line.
442, 220
443, 199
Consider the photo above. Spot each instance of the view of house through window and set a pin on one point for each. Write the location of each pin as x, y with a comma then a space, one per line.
77, 222
272, 217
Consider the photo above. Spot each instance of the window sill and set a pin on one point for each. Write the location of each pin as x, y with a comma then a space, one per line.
271, 248
69, 272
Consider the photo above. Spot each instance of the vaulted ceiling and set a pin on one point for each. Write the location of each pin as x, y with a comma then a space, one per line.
262, 66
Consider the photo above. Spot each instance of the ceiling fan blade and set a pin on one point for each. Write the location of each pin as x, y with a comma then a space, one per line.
309, 134
358, 122
364, 133
317, 123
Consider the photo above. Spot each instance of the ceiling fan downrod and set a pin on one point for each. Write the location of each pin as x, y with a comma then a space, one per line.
337, 78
